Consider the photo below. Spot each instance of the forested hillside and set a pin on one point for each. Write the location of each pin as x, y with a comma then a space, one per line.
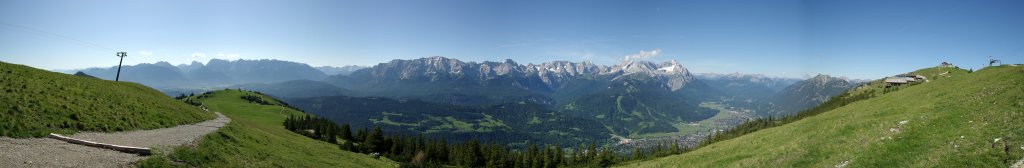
514, 124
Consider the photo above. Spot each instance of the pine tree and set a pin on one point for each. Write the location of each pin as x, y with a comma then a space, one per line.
347, 146
591, 152
409, 148
531, 156
548, 157
577, 156
523, 160
346, 132
559, 155
473, 153
361, 135
607, 158
288, 123
396, 146
330, 130
674, 148
637, 154
444, 151
375, 141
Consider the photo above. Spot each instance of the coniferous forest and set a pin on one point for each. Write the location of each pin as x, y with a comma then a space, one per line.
420, 151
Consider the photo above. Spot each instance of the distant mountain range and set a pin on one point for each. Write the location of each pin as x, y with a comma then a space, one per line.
342, 70
739, 81
747, 91
630, 98
296, 88
809, 93
216, 72
498, 80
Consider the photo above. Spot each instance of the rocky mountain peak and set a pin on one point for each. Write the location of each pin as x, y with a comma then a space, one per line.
671, 73
189, 67
510, 62
429, 66
672, 67
552, 74
645, 67
822, 78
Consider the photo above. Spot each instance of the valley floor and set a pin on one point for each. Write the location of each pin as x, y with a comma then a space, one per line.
690, 133
46, 152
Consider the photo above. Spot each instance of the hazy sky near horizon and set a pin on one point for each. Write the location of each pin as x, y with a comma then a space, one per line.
854, 38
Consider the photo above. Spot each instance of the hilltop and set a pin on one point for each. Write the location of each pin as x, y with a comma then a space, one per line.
956, 118
36, 102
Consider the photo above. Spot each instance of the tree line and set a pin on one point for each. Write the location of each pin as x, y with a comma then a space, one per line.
188, 99
255, 99
420, 151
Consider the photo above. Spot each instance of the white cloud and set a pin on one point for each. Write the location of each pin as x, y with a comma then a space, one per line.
201, 57
145, 53
642, 55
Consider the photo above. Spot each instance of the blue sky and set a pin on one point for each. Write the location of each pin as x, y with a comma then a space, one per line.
858, 39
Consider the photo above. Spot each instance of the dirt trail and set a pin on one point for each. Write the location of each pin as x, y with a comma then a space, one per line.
46, 152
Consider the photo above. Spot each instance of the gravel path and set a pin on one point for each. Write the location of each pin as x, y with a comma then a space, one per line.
46, 152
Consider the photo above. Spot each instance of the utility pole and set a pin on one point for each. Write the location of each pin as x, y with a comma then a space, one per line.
992, 61
122, 55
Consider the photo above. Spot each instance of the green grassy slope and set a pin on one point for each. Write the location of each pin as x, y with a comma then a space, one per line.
36, 102
951, 121
256, 138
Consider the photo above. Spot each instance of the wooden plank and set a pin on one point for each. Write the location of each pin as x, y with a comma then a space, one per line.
126, 149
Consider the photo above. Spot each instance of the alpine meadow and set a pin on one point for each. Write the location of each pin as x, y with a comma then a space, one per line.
523, 84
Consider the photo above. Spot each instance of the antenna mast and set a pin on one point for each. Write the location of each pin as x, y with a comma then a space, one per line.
122, 55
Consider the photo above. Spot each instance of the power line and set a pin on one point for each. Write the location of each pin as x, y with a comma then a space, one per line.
54, 35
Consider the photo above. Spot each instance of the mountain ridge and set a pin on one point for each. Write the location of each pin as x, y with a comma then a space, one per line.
162, 75
543, 78
654, 95
809, 93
